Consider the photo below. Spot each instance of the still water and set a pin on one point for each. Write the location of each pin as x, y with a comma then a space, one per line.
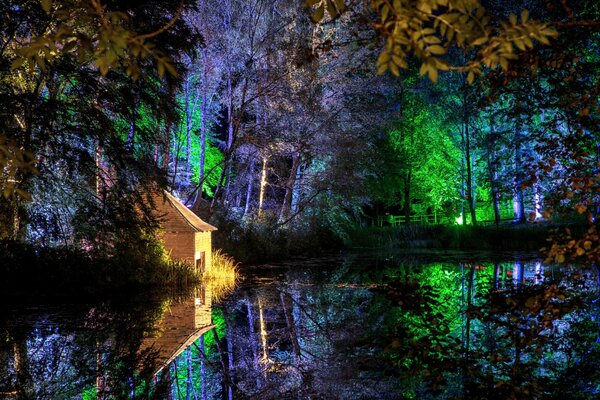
343, 327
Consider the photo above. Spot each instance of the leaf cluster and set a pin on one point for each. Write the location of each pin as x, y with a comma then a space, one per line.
13, 161
428, 29
94, 35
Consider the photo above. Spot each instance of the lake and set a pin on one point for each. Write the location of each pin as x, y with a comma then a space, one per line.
348, 326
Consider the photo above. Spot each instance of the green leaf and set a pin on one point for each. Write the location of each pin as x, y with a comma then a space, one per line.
436, 49
470, 77
432, 39
17, 63
478, 42
519, 44
341, 6
383, 58
399, 61
24, 194
46, 5
524, 16
318, 14
394, 69
503, 63
331, 9
385, 10
433, 74
171, 69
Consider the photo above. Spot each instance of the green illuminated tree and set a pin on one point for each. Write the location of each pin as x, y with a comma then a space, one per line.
427, 157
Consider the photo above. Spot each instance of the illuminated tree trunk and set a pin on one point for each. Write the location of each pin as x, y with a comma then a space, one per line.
227, 20
188, 124
263, 333
462, 184
229, 336
492, 160
497, 268
190, 382
253, 341
289, 188
467, 330
224, 364
230, 131
520, 209
407, 183
468, 159
175, 380
202, 368
296, 190
263, 185
203, 108
175, 157
98, 160
21, 364
469, 169
291, 326
518, 277
250, 185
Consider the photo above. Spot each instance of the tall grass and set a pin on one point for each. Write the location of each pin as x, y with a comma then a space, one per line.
222, 275
176, 273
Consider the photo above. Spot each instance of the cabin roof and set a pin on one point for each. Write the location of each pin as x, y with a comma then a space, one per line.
176, 217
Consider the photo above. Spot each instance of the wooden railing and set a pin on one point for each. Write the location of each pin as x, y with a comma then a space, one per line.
395, 220
423, 219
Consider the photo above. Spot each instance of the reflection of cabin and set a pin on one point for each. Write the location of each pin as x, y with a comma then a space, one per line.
186, 236
181, 325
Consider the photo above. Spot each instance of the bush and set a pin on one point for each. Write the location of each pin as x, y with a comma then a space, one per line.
27, 269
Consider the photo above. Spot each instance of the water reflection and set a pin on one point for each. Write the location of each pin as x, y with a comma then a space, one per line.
108, 350
181, 325
339, 328
366, 329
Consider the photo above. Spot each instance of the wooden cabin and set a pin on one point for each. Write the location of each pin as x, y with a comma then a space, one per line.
186, 236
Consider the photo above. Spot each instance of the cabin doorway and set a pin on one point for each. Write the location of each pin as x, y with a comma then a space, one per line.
201, 262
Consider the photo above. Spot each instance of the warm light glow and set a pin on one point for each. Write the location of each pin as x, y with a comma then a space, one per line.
220, 275
263, 184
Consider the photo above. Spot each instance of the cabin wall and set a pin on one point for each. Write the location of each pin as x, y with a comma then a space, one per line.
181, 246
203, 245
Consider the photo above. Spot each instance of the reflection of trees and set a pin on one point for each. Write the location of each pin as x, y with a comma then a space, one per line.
313, 348
91, 352
503, 330
517, 338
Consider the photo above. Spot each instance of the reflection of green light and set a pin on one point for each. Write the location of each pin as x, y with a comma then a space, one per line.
459, 220
89, 393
